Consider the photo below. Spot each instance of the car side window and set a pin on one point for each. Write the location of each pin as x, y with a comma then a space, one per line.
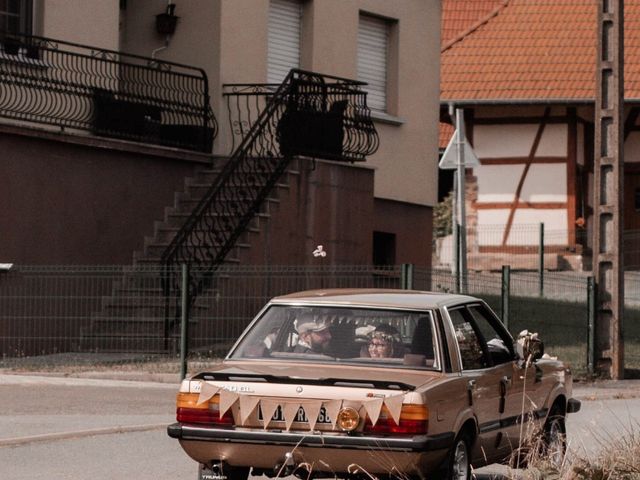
469, 344
499, 345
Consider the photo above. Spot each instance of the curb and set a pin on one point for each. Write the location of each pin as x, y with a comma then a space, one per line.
17, 441
69, 381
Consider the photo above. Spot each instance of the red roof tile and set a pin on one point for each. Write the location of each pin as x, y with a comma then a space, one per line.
459, 16
531, 50
445, 132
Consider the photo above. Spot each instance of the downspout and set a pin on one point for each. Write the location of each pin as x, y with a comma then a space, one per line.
164, 47
170, 10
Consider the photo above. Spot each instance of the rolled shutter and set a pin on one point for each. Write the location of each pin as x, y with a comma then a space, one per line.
283, 51
373, 38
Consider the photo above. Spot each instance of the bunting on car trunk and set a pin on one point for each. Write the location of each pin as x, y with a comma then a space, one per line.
245, 404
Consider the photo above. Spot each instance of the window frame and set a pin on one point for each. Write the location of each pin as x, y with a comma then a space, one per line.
25, 18
390, 61
269, 64
481, 341
439, 365
493, 321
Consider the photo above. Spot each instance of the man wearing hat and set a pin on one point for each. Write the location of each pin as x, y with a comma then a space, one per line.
313, 337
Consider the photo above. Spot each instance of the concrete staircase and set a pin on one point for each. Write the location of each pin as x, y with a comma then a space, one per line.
132, 318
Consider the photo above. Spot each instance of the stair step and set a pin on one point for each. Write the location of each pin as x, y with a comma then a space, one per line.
185, 203
140, 303
147, 344
164, 235
157, 247
195, 197
142, 259
137, 291
207, 176
138, 326
177, 219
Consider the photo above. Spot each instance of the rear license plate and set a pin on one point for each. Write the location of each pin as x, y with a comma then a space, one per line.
301, 416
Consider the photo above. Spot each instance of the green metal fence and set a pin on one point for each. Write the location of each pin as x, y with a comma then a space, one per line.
88, 314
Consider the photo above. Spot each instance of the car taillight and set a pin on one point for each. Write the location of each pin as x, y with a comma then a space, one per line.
414, 420
188, 410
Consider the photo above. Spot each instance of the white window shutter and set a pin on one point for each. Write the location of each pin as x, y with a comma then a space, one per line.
373, 40
283, 48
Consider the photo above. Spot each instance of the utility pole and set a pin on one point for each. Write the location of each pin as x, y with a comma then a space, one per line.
458, 156
608, 190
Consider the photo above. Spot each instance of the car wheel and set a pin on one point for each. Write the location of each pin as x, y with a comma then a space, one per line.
459, 467
555, 438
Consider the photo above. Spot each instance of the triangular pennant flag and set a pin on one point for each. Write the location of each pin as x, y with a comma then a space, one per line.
290, 411
207, 391
227, 399
332, 407
357, 406
235, 411
248, 404
394, 405
312, 410
373, 408
268, 408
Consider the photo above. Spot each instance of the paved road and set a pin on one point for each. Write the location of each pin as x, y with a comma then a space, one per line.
69, 428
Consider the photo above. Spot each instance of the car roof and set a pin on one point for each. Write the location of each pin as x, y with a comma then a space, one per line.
379, 298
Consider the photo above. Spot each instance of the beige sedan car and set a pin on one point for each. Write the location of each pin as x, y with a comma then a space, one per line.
372, 383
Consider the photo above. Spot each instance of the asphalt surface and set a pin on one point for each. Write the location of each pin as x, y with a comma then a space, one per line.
115, 426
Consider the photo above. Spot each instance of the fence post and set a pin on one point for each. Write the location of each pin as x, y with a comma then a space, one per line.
541, 261
184, 321
591, 316
506, 293
406, 276
456, 255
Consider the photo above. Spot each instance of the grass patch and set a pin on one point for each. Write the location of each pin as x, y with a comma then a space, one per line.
563, 327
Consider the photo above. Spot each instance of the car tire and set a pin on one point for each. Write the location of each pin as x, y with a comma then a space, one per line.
458, 465
555, 438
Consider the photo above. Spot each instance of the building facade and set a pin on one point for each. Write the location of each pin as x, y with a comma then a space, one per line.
525, 74
81, 197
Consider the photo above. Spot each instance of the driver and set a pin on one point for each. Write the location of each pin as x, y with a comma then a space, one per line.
313, 337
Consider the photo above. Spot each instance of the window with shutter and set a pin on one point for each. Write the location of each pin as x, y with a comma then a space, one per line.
283, 46
373, 44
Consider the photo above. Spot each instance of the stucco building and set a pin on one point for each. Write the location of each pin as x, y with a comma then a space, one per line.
102, 174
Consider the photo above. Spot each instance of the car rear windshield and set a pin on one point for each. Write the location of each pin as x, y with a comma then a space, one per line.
388, 338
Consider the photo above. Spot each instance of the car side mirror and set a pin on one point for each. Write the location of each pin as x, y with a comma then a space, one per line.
529, 346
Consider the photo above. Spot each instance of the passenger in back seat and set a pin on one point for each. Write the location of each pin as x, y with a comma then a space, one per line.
384, 342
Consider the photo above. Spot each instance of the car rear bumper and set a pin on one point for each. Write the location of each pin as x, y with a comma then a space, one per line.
338, 452
418, 443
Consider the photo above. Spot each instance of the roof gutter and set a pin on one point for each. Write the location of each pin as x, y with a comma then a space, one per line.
521, 101
461, 103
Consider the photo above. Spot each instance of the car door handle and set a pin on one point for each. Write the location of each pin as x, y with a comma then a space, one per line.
506, 381
471, 385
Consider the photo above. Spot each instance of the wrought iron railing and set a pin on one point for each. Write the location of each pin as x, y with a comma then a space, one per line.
330, 119
105, 93
308, 114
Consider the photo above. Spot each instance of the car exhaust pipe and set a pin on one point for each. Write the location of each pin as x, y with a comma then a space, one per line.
213, 472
